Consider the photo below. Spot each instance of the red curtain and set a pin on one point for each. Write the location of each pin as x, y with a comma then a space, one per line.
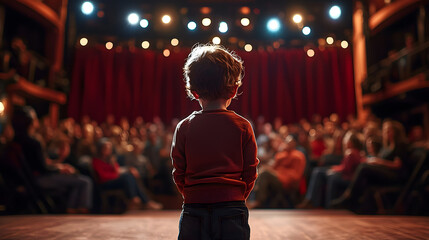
283, 83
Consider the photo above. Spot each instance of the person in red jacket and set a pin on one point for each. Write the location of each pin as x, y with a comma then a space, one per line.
214, 150
109, 176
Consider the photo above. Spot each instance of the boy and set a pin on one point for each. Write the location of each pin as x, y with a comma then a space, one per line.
214, 150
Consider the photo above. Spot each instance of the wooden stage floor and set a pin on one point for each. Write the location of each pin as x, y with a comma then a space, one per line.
265, 225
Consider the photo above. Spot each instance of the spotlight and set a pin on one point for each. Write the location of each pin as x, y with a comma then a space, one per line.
145, 44
144, 23
223, 27
245, 22
273, 25
335, 12
248, 47
310, 52
306, 30
297, 18
87, 8
133, 18
166, 53
166, 19
344, 44
192, 25
329, 40
174, 42
206, 22
216, 40
1, 108
109, 45
83, 41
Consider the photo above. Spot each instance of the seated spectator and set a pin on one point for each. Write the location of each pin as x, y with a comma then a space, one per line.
385, 169
109, 176
326, 182
50, 176
274, 182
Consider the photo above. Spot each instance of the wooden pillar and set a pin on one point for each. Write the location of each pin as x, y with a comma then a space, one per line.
359, 57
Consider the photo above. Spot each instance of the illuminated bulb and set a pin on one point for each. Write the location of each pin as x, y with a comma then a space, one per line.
297, 18
133, 18
344, 44
166, 52
335, 12
273, 25
248, 47
306, 30
310, 52
206, 22
192, 25
109, 45
174, 42
166, 19
223, 27
216, 40
245, 22
329, 40
83, 41
144, 23
87, 8
145, 44
1, 107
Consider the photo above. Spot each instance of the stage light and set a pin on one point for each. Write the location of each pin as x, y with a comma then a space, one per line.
206, 22
335, 12
245, 22
83, 41
133, 18
145, 44
297, 18
329, 40
174, 42
87, 8
248, 47
216, 40
166, 19
273, 25
310, 52
223, 27
344, 44
1, 108
192, 25
109, 45
306, 30
144, 23
166, 53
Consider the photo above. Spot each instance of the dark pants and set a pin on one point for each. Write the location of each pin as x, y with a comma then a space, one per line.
217, 221
128, 183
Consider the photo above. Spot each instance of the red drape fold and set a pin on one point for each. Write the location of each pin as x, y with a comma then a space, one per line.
285, 83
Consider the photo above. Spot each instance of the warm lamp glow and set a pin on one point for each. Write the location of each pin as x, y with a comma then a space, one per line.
145, 44
83, 41
166, 53
248, 47
109, 45
216, 40
297, 18
245, 22
144, 23
133, 18
174, 42
329, 40
166, 19
344, 44
310, 52
206, 22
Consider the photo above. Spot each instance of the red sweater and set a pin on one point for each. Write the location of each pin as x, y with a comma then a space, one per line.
105, 171
214, 157
289, 167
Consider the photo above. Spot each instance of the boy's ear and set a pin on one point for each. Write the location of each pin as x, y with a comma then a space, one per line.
234, 92
195, 94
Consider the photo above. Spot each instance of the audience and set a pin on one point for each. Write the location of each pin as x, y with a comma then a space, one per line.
134, 157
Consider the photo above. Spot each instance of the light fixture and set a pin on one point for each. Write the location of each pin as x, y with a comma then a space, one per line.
83, 41
306, 30
174, 42
248, 47
310, 52
329, 40
109, 45
192, 25
223, 27
145, 44
144, 23
297, 18
344, 44
87, 8
206, 22
335, 12
133, 18
216, 40
166, 53
166, 19
245, 22
273, 25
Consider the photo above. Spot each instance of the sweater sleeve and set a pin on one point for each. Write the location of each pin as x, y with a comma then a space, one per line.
178, 158
250, 163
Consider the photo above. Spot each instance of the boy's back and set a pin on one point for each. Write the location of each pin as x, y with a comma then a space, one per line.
214, 156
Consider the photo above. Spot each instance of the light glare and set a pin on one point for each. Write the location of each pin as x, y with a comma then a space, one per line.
83, 41
145, 44
1, 107
216, 40
133, 18
109, 45
174, 42
335, 12
344, 44
166, 53
329, 40
310, 52
144, 23
223, 27
87, 8
297, 18
206, 22
192, 25
166, 19
245, 22
306, 30
273, 25
248, 47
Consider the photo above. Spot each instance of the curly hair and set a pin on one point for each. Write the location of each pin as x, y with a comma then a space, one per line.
212, 72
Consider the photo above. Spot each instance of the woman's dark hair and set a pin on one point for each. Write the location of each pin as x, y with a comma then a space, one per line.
22, 119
